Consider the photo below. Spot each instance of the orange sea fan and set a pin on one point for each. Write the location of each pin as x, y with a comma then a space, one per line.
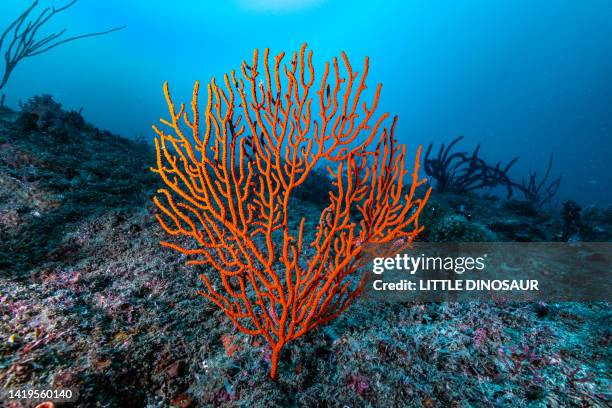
229, 181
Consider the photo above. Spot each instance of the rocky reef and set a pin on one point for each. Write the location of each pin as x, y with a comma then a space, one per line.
56, 170
90, 301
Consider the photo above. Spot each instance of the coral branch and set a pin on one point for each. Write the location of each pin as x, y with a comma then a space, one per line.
537, 192
460, 171
22, 42
228, 187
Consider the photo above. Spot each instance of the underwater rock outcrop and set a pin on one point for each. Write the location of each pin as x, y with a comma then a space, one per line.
56, 169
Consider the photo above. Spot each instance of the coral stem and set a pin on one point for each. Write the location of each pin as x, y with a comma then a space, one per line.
274, 362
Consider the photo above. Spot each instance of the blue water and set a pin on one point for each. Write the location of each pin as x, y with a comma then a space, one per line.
526, 78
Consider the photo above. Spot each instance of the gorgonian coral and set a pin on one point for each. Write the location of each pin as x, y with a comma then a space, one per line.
229, 184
